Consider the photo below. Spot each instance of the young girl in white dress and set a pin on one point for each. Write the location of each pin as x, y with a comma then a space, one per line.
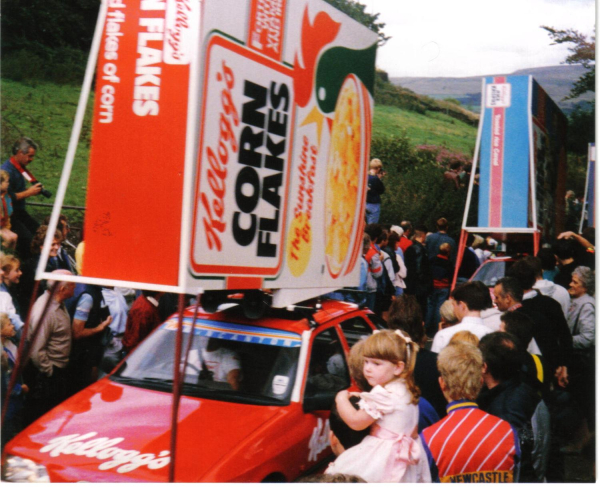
392, 451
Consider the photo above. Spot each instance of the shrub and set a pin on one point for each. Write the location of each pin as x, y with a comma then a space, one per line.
59, 65
415, 186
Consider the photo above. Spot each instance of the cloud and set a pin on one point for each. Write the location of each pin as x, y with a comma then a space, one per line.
471, 37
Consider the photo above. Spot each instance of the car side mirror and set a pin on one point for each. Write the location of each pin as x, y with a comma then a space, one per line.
318, 400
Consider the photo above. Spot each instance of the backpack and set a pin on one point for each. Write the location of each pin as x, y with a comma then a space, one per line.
384, 284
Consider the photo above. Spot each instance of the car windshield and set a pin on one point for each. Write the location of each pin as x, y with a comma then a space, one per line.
491, 272
227, 361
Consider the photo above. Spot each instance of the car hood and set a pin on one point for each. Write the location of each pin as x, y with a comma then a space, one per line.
111, 432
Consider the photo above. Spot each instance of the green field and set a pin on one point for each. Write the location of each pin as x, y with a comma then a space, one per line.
434, 128
45, 112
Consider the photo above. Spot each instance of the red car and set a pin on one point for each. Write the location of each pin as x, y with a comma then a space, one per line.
261, 415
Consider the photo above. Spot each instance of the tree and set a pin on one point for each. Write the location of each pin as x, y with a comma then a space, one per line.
583, 52
356, 10
49, 24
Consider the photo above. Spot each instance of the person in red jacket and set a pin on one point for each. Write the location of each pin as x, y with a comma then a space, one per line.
143, 318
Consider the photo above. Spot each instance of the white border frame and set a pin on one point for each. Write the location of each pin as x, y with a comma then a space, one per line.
73, 142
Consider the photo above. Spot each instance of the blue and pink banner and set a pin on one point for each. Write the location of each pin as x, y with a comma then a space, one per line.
504, 155
522, 135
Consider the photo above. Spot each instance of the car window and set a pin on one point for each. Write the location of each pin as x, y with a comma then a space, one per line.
327, 370
490, 273
355, 329
227, 361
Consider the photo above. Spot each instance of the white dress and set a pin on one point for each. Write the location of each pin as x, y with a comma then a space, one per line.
389, 453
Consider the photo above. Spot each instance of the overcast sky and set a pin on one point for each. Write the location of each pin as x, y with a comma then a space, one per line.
474, 37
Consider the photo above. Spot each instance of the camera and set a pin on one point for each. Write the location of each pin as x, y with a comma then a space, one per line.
44, 192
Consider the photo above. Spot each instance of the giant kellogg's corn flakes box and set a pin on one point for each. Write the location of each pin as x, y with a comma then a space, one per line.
230, 145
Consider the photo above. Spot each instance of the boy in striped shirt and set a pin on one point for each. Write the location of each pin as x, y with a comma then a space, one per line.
468, 445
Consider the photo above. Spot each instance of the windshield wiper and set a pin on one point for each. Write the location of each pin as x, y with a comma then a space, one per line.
154, 379
147, 381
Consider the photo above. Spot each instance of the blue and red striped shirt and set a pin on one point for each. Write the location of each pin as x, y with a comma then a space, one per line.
471, 446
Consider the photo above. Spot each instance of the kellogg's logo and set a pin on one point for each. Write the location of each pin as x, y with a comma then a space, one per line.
181, 30
244, 159
103, 448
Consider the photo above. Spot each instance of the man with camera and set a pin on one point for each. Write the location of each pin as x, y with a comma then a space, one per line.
23, 224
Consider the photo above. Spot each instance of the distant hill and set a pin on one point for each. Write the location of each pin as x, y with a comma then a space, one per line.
556, 80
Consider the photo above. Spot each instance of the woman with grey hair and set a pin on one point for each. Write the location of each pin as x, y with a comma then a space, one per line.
581, 316
582, 373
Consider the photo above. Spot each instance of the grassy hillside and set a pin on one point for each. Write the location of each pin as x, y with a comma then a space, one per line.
45, 112
434, 128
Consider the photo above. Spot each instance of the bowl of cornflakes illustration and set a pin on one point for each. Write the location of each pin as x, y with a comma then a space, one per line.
345, 186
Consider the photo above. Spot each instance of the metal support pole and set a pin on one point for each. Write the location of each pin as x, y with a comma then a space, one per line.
459, 255
176, 388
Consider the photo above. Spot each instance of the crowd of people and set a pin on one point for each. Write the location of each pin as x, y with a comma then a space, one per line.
504, 376
502, 401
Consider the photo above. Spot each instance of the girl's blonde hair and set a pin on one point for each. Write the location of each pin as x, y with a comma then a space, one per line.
356, 361
4, 176
395, 346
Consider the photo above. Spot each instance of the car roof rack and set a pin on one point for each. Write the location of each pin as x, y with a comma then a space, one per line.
307, 311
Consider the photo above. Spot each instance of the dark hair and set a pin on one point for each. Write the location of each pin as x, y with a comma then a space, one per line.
519, 325
393, 238
62, 220
564, 248
442, 224
374, 231
347, 436
589, 233
486, 295
470, 239
547, 259
420, 230
511, 286
382, 237
500, 351
406, 225
455, 165
405, 314
40, 236
524, 272
474, 294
